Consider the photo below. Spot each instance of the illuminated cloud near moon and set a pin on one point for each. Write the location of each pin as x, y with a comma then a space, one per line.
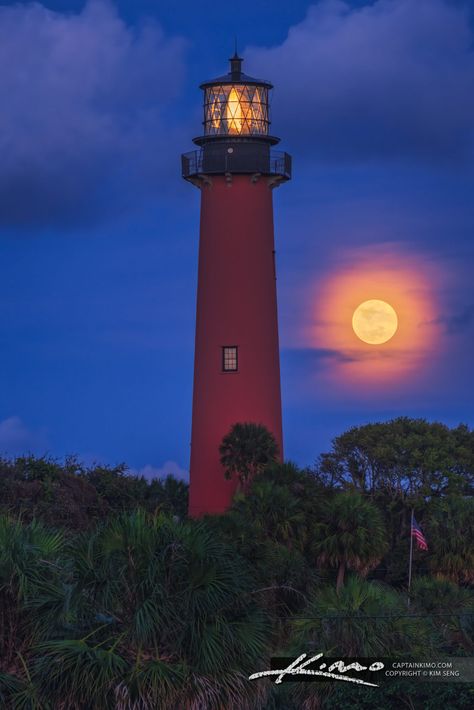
394, 340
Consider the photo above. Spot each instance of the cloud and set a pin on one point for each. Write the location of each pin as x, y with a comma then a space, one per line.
168, 468
388, 80
455, 322
17, 439
84, 109
311, 356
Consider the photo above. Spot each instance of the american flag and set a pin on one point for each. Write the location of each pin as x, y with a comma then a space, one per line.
418, 535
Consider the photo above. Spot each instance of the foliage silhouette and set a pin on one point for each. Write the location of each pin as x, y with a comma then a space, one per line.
109, 597
247, 450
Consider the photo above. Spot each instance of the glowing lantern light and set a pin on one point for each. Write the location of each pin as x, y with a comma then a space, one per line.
233, 112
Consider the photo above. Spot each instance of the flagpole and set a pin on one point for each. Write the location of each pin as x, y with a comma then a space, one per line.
411, 555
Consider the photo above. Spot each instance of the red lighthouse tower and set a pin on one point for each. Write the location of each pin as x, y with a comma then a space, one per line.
236, 366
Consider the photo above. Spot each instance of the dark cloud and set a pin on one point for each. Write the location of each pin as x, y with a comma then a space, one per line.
308, 356
456, 322
84, 101
311, 358
389, 80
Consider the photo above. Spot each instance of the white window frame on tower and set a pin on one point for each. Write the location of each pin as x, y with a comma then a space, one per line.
230, 358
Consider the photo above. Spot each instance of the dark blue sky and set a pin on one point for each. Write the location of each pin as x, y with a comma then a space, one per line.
99, 234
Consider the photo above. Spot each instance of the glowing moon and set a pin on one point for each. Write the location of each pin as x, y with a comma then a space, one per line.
374, 322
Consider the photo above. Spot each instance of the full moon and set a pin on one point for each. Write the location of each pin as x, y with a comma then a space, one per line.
374, 322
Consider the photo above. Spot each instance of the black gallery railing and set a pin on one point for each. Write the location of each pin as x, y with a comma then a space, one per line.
208, 162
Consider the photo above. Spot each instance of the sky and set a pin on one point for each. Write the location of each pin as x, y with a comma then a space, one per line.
99, 233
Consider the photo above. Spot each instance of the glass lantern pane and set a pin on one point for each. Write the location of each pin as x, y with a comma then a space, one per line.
236, 109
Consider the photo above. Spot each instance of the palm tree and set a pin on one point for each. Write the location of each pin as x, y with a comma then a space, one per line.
276, 511
161, 614
351, 535
451, 608
364, 619
269, 529
29, 573
449, 531
246, 451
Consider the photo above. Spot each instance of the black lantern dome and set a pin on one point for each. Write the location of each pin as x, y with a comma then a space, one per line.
236, 137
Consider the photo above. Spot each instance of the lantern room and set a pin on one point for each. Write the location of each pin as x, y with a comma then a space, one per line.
236, 104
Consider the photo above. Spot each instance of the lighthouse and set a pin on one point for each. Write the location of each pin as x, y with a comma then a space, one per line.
236, 361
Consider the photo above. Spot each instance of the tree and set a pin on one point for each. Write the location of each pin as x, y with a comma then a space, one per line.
57, 494
168, 495
276, 512
451, 609
270, 527
71, 495
151, 614
29, 565
450, 532
364, 619
118, 487
402, 458
401, 464
246, 451
351, 535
